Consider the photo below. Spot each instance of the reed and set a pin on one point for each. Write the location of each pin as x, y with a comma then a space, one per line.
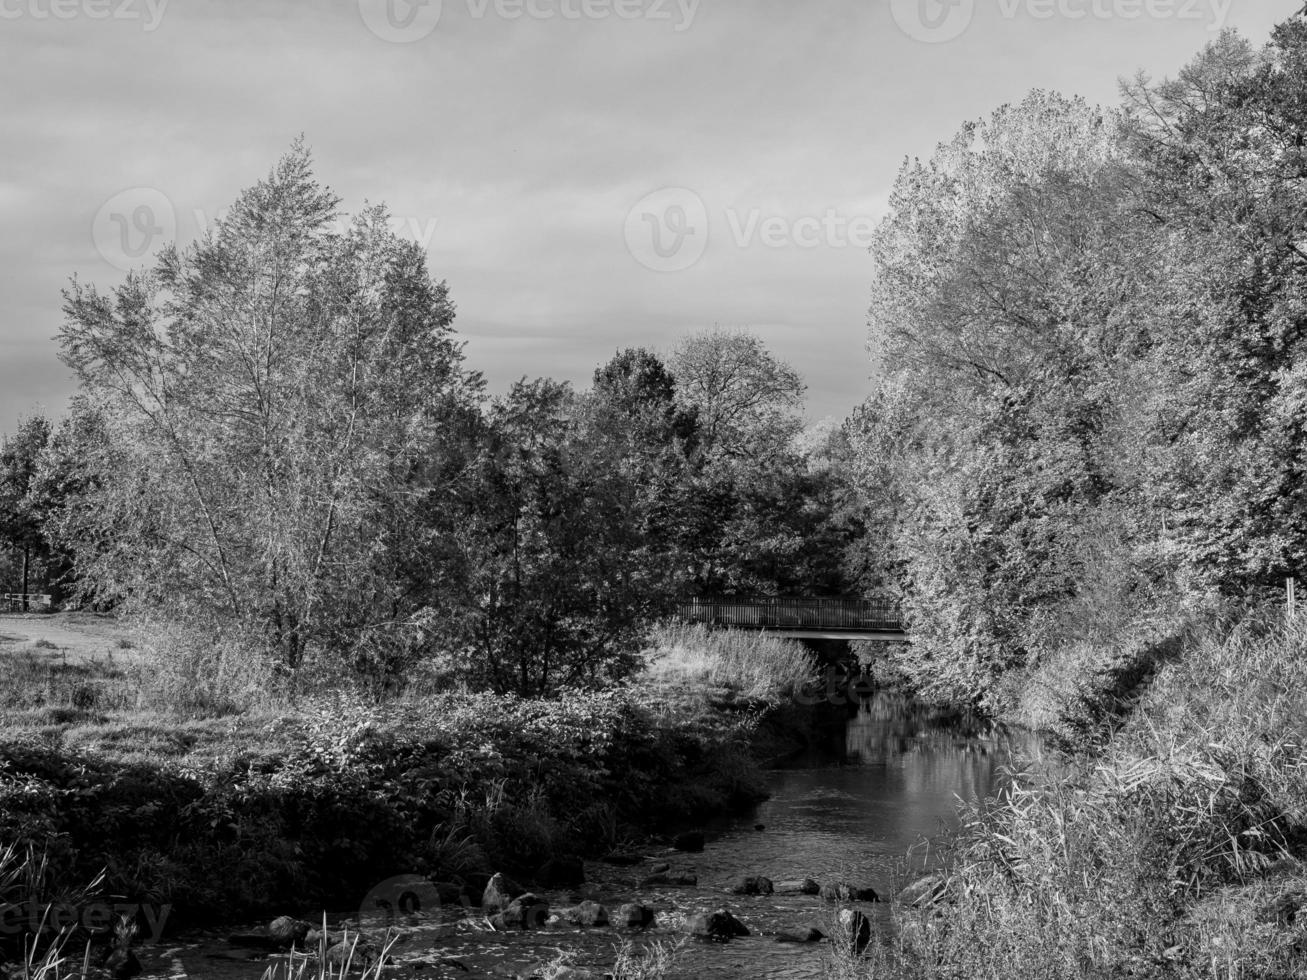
1177, 851
753, 664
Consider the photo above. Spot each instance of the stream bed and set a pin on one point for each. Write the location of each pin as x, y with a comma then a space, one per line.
867, 805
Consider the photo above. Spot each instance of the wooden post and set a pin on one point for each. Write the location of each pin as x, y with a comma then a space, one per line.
1290, 596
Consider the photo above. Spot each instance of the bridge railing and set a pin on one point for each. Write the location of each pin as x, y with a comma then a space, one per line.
773, 612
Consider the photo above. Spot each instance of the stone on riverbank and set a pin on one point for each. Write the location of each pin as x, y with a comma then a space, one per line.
856, 929
925, 892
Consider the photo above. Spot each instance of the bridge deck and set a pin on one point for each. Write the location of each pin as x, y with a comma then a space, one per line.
807, 618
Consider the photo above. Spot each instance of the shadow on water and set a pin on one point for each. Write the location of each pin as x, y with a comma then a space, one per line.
868, 803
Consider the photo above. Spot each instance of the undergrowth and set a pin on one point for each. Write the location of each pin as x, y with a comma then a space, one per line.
1176, 851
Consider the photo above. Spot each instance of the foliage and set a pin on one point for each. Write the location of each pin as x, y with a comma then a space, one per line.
556, 552
1088, 324
21, 529
268, 393
1178, 853
311, 808
744, 400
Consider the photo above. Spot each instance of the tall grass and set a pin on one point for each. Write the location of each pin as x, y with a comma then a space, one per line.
753, 664
1177, 852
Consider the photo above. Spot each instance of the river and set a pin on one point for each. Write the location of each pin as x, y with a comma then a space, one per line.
868, 805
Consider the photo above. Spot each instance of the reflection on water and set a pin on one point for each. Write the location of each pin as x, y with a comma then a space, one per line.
867, 805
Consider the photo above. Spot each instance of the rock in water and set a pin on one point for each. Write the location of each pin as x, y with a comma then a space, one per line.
752, 886
354, 950
499, 894
717, 927
524, 912
288, 932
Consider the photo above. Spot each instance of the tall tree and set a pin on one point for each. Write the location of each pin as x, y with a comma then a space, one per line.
270, 386
20, 524
1012, 271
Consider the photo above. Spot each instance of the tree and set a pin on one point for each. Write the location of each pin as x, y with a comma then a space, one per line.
20, 525
1222, 145
269, 390
745, 401
1010, 307
79, 458
559, 566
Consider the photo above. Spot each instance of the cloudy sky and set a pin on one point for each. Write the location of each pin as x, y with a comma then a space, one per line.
587, 174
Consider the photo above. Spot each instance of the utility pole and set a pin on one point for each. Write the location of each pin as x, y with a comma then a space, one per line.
1290, 597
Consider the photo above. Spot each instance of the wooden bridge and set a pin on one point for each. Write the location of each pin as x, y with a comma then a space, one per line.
801, 618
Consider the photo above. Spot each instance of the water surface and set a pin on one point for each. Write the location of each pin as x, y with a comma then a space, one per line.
868, 804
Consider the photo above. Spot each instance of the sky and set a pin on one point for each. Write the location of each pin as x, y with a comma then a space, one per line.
587, 175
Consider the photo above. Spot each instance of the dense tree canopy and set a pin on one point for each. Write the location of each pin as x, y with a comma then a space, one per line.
270, 388
1088, 325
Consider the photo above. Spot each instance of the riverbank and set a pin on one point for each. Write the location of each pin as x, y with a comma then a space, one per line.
255, 809
1177, 848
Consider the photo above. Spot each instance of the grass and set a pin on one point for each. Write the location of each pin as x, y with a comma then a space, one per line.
1177, 851
752, 665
